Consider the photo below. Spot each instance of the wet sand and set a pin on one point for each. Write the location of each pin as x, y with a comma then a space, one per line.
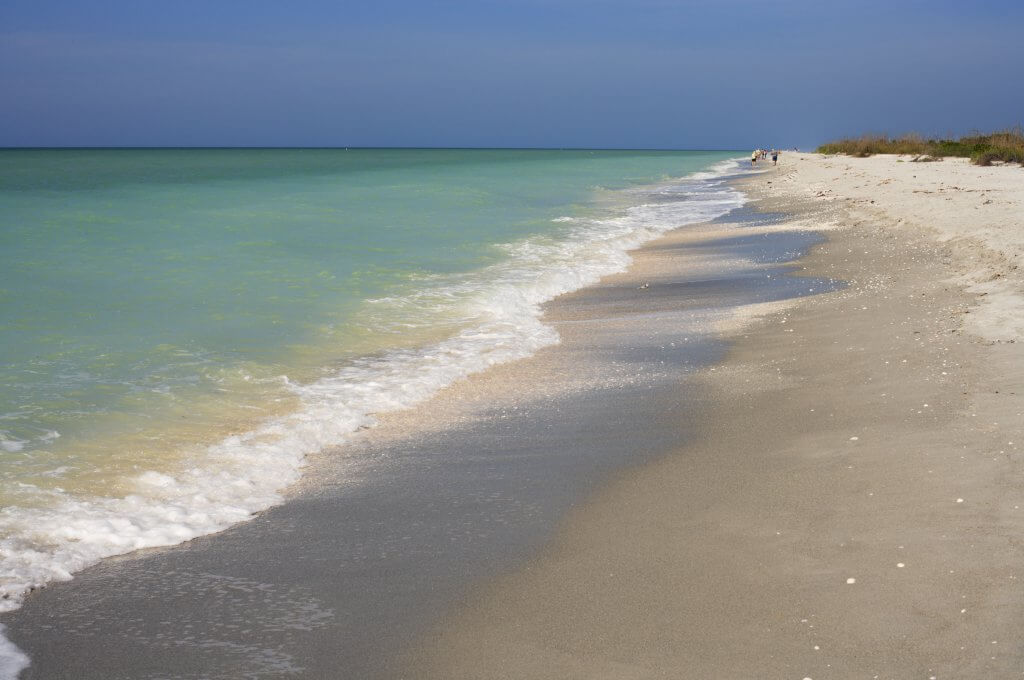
388, 536
850, 502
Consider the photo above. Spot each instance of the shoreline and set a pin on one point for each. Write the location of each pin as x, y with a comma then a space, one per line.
643, 500
243, 468
385, 534
850, 504
222, 428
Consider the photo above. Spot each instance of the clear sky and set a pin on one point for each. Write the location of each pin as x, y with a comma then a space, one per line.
550, 73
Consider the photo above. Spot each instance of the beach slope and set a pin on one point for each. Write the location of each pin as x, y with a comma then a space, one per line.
852, 502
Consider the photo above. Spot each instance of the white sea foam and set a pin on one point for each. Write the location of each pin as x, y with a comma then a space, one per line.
719, 169
12, 659
228, 482
10, 444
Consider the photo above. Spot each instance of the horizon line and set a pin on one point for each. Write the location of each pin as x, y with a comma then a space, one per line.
347, 148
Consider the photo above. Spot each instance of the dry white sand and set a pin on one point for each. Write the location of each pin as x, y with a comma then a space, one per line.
978, 210
854, 504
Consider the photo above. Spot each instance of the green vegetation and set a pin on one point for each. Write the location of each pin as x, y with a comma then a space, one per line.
1006, 146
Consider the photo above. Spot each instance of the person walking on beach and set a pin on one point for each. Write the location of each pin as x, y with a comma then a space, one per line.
753, 157
775, 156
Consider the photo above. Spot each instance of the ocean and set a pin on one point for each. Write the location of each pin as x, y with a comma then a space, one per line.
181, 328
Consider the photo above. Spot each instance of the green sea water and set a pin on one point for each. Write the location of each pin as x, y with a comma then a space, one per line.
179, 327
130, 275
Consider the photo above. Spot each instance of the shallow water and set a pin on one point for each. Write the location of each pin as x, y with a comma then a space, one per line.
398, 527
181, 327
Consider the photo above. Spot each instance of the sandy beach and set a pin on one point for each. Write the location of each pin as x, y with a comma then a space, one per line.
850, 504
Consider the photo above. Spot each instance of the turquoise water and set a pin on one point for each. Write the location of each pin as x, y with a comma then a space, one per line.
180, 327
129, 274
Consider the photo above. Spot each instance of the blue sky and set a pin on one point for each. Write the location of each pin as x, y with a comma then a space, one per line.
550, 73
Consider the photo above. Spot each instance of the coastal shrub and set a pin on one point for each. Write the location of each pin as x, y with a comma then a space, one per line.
1004, 155
985, 158
867, 145
1005, 146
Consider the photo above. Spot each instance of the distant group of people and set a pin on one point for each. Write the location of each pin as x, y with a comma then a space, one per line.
763, 155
